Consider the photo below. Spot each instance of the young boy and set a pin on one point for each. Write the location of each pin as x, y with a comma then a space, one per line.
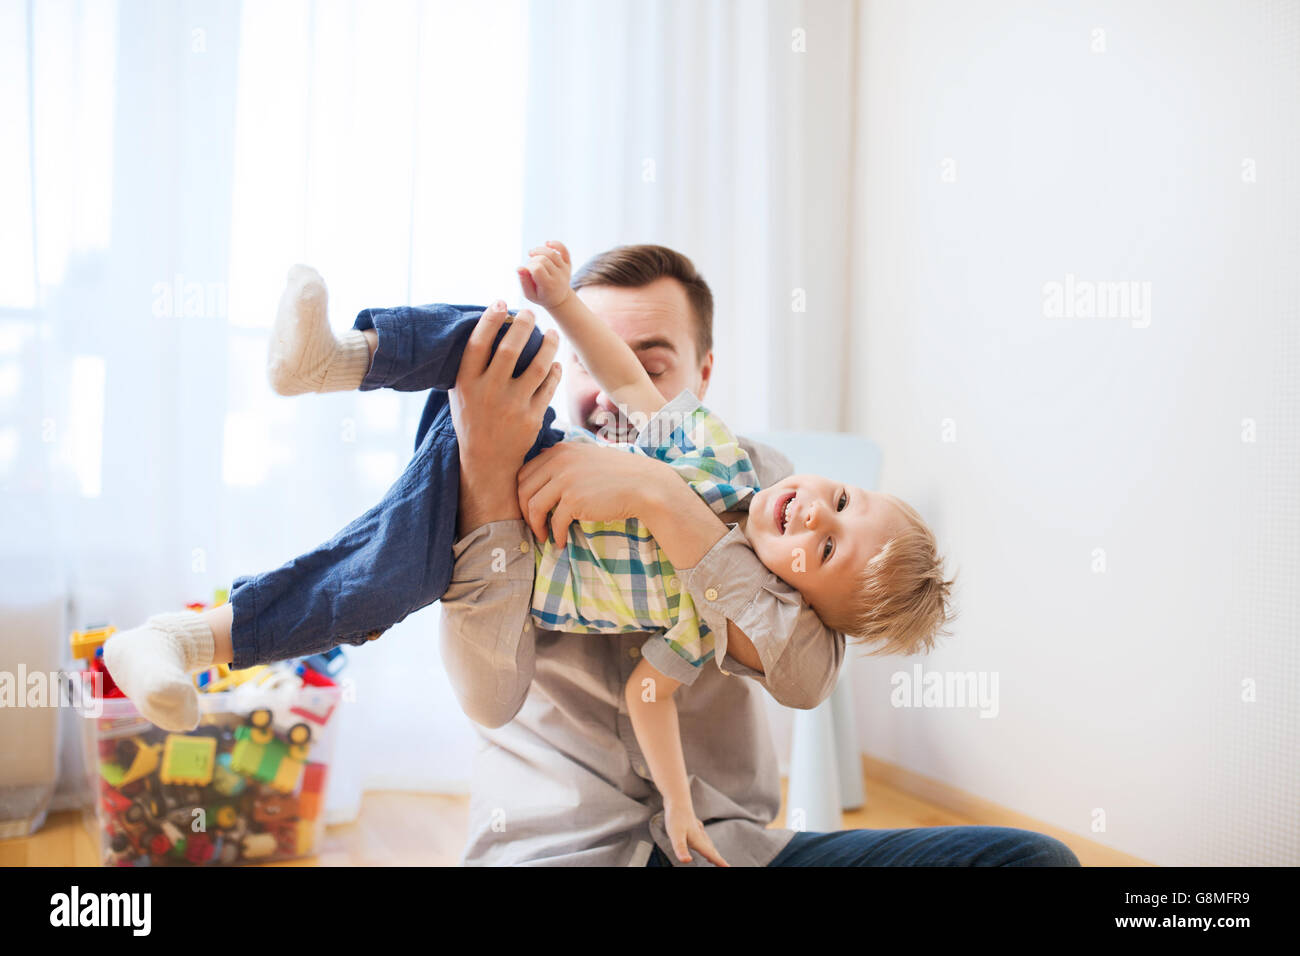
864, 561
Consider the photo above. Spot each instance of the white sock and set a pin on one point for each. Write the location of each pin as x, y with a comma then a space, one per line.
304, 355
152, 666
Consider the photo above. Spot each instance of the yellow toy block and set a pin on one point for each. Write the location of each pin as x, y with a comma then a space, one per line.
188, 760
143, 763
230, 679
85, 643
287, 775
306, 836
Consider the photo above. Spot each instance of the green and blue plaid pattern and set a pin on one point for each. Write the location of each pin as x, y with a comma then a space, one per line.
611, 577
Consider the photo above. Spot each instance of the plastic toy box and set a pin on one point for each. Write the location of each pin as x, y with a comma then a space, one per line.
246, 785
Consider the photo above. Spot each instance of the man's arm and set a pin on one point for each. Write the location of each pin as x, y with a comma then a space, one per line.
487, 637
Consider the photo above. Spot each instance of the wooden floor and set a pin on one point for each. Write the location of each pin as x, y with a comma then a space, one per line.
416, 829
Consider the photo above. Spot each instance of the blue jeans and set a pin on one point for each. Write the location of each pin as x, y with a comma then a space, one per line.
397, 557
919, 846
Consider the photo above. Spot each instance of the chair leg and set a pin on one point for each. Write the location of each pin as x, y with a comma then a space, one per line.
813, 798
848, 755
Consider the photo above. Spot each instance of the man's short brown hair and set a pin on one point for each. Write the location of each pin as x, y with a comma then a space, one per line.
631, 267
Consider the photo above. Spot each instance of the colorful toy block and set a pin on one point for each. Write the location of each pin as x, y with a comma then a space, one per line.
275, 808
328, 663
199, 848
113, 800
138, 763
85, 643
224, 779
257, 845
311, 796
108, 687
188, 760
269, 762
228, 679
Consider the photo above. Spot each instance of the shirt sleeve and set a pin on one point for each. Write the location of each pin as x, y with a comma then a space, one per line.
487, 636
684, 649
801, 656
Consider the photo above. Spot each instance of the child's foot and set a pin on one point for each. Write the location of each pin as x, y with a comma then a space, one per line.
304, 354
152, 666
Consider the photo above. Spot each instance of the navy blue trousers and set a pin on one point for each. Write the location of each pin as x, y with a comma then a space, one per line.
397, 557
918, 846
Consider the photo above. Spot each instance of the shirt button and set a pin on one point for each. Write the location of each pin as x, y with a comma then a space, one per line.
673, 583
523, 547
711, 594
372, 635
634, 651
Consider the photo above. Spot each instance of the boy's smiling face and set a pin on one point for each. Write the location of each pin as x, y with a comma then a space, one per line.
817, 534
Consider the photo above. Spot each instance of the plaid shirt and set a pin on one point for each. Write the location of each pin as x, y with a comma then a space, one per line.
612, 577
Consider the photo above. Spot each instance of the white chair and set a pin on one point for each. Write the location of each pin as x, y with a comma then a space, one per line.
825, 763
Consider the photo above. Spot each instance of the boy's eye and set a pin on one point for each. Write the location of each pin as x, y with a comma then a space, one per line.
844, 501
827, 548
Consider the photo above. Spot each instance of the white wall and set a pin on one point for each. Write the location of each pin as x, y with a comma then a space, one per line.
1120, 691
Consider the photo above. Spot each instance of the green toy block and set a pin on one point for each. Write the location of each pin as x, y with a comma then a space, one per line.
188, 760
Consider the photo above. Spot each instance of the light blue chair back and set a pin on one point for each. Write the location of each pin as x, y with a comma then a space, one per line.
850, 458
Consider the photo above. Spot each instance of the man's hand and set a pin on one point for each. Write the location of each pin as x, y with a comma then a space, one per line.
545, 279
496, 416
686, 831
582, 482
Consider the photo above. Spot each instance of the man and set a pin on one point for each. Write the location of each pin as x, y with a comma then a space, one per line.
560, 779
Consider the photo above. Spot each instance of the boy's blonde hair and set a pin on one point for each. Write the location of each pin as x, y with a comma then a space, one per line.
902, 600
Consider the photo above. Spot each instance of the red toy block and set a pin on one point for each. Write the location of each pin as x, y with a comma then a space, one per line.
314, 678
109, 688
313, 778
160, 844
199, 848
311, 797
114, 801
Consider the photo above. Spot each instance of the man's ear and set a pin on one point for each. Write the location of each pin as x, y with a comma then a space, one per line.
706, 373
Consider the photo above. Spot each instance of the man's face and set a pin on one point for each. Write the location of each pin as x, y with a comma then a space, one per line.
656, 320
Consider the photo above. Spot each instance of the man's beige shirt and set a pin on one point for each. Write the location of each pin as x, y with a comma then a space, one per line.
558, 778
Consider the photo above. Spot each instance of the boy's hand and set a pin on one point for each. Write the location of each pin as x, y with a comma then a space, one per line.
545, 279
686, 831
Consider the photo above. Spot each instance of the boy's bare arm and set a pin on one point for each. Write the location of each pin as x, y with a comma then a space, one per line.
653, 711
610, 360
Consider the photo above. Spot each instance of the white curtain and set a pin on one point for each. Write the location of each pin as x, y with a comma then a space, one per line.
724, 130
167, 162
